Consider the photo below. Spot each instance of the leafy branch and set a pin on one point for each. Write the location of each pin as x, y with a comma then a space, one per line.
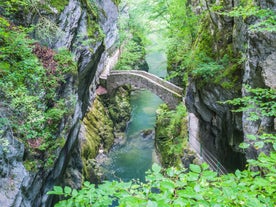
260, 99
266, 17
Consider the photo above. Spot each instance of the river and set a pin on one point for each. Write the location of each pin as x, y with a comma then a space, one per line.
133, 158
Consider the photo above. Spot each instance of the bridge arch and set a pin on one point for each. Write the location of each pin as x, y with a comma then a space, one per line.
168, 92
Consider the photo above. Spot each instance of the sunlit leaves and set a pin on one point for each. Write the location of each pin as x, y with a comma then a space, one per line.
260, 99
175, 188
267, 17
244, 145
195, 168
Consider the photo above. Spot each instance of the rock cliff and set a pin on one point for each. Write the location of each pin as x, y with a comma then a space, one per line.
219, 129
91, 37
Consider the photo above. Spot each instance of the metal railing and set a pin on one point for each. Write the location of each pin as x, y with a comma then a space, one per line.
207, 156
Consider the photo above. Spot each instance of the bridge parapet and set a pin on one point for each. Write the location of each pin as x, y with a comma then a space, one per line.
153, 77
168, 92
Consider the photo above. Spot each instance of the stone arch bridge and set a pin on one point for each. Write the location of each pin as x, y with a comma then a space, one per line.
168, 92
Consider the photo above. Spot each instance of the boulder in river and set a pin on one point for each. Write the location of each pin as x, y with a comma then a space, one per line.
147, 133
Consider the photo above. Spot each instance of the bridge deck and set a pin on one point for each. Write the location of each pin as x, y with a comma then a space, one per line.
151, 78
168, 92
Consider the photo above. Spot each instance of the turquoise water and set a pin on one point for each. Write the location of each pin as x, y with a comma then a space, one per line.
132, 159
137, 154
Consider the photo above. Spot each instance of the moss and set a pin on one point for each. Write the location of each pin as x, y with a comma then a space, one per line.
205, 41
94, 30
171, 134
66, 63
30, 166
107, 117
213, 58
119, 108
116, 2
98, 131
59, 4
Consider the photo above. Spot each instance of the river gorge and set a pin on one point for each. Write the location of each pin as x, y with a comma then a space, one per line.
131, 159
60, 126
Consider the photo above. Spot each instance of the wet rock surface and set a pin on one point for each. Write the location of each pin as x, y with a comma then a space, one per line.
12, 171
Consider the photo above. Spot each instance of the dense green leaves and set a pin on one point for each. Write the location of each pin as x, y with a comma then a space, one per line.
174, 187
132, 56
13, 6
260, 99
266, 17
132, 41
29, 87
171, 134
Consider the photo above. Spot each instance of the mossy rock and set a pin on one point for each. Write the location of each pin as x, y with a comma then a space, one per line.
59, 4
119, 108
98, 130
107, 117
171, 135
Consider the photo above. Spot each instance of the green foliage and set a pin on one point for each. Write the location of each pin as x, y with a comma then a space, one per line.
178, 24
260, 99
17, 6
176, 187
133, 53
199, 186
28, 91
66, 63
209, 68
132, 42
171, 134
182, 30
94, 30
266, 17
259, 141
13, 6
257, 103
47, 31
59, 4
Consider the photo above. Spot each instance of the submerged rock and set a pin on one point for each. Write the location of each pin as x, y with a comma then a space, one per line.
147, 133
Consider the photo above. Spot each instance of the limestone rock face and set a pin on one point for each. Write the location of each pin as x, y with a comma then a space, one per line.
29, 189
269, 72
259, 72
11, 156
220, 129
